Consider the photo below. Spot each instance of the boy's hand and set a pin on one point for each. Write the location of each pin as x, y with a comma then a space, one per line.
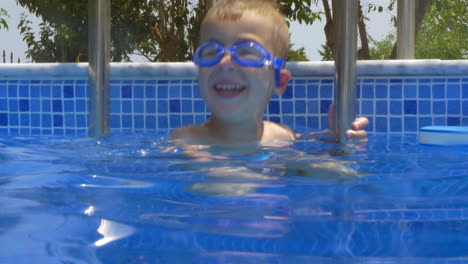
356, 133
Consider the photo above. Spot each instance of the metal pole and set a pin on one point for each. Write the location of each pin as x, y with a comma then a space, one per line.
345, 25
406, 27
99, 74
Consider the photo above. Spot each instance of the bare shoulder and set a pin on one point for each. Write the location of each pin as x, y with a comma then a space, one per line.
184, 132
277, 131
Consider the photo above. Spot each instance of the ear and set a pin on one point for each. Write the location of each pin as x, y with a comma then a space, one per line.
285, 75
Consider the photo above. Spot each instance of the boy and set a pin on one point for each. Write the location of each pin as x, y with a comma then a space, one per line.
244, 44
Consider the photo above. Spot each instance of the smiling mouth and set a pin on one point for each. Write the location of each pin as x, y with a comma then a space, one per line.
229, 90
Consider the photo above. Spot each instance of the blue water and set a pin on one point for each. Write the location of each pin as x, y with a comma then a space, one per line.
139, 199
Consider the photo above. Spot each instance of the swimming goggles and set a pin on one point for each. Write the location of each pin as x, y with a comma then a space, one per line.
245, 53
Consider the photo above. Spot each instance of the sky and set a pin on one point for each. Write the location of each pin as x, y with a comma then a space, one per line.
311, 37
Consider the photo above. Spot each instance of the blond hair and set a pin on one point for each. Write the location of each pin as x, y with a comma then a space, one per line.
233, 10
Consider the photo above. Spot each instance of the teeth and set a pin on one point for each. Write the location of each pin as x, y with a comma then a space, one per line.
229, 87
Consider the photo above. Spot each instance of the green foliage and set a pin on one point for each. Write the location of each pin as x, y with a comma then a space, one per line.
3, 23
297, 55
444, 32
159, 30
382, 50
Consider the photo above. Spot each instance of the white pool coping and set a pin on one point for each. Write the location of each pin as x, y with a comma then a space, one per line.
189, 70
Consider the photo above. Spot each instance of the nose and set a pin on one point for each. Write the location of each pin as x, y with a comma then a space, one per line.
227, 59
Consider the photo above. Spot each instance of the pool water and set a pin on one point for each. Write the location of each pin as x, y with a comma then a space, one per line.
139, 199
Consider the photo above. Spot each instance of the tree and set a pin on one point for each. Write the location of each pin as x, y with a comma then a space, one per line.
159, 30
442, 34
3, 23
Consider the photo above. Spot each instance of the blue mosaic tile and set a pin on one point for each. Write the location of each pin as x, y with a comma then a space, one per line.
438, 91
81, 91
46, 120
440, 121
138, 106
68, 91
81, 121
150, 122
57, 106
69, 120
313, 121
35, 91
410, 91
381, 92
395, 91
274, 107
45, 91
174, 106
424, 107
300, 106
127, 107
424, 91
465, 90
35, 120
396, 124
287, 107
174, 91
12, 91
3, 105
381, 107
453, 91
326, 91
438, 107
150, 92
198, 106
114, 121
312, 107
57, 91
396, 80
288, 93
367, 107
151, 107
58, 120
80, 106
453, 121
187, 120
174, 121
24, 91
3, 91
465, 108
115, 106
453, 107
312, 91
300, 91
139, 92
68, 106
410, 107
162, 92
381, 124
163, 122
127, 121
324, 106
163, 107
425, 121
13, 105
126, 91
411, 124
24, 105
139, 121
4, 119
367, 91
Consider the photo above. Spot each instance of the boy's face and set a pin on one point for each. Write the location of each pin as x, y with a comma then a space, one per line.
233, 92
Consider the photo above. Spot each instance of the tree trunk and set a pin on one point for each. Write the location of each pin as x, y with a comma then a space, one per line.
421, 10
329, 28
363, 52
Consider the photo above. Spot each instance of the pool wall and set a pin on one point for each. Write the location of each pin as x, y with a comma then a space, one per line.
396, 96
